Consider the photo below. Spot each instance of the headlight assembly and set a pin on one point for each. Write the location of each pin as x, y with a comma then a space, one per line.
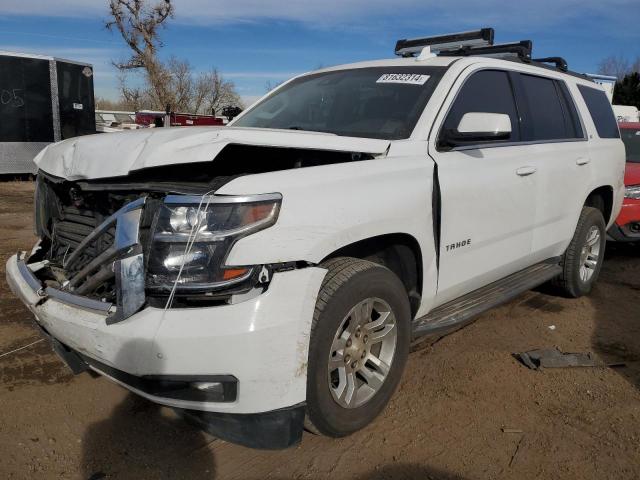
632, 191
194, 234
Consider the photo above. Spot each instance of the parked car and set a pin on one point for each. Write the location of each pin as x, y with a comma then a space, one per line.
148, 118
627, 225
272, 274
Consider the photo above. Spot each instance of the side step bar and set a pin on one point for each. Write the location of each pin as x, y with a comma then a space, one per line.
463, 310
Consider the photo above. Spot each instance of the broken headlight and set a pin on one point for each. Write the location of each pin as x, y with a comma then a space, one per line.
194, 234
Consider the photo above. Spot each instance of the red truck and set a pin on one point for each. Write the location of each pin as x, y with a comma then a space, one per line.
148, 118
627, 226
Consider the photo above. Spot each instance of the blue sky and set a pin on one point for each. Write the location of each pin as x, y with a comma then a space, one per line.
252, 42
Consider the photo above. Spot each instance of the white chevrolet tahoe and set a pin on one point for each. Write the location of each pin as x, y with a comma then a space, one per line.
271, 275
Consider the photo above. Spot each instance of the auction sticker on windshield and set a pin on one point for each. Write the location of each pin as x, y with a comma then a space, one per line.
407, 78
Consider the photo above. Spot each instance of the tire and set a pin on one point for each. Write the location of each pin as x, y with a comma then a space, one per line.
576, 279
334, 407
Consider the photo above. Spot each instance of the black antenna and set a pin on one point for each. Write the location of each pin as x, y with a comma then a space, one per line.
560, 63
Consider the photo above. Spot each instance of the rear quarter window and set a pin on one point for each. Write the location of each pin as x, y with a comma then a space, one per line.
601, 112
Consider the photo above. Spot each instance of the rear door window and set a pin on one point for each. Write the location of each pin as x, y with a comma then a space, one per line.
601, 112
487, 91
544, 117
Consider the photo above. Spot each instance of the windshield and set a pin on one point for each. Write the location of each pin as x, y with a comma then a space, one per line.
378, 102
631, 139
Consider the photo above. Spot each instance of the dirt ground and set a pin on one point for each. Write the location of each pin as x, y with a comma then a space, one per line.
445, 421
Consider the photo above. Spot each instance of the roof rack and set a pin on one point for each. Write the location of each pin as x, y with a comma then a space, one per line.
521, 49
560, 63
475, 43
440, 43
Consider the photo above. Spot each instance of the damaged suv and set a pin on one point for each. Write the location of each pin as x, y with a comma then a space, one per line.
271, 275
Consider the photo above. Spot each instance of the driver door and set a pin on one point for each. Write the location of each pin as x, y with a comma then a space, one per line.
487, 191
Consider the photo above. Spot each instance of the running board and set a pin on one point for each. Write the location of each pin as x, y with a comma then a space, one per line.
463, 310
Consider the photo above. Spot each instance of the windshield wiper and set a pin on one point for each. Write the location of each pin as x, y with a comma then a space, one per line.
296, 127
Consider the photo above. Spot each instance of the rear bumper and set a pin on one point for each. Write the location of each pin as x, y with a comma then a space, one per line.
622, 234
627, 225
261, 342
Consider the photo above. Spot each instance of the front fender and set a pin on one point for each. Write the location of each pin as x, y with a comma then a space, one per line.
328, 207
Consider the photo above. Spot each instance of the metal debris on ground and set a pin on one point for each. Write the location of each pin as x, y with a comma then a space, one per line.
554, 358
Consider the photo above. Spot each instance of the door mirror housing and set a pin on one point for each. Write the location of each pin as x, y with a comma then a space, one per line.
478, 127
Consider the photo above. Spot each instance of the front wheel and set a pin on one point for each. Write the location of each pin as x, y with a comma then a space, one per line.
358, 348
583, 259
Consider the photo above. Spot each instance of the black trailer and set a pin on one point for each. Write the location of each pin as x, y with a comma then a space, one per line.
42, 100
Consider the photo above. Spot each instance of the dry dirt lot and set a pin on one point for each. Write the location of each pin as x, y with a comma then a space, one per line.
445, 421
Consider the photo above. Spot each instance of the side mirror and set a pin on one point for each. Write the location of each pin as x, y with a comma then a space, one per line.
475, 127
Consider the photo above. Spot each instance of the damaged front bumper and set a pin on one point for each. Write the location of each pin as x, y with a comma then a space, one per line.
259, 346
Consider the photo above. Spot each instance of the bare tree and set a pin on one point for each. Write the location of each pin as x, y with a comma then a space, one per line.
618, 66
179, 84
135, 98
138, 23
106, 104
165, 83
269, 85
215, 92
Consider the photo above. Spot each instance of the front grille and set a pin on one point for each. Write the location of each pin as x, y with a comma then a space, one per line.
96, 242
92, 247
74, 226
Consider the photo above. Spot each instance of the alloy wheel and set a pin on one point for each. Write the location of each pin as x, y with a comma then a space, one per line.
590, 254
362, 352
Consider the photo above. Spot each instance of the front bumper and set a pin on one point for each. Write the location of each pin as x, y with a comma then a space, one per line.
262, 342
276, 429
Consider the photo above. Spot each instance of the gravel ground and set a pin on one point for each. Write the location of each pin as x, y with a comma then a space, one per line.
445, 421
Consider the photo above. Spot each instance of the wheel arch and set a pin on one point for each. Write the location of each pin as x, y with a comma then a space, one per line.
399, 252
602, 199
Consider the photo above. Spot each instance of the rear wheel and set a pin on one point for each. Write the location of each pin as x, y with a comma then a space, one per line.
583, 259
358, 348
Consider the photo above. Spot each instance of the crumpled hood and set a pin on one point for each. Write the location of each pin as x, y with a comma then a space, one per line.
117, 154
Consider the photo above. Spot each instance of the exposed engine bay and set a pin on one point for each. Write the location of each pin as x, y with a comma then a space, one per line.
83, 224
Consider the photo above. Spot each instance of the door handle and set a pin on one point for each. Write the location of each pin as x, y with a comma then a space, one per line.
525, 171
582, 161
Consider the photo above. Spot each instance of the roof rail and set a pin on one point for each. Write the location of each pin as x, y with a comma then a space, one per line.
560, 63
521, 49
